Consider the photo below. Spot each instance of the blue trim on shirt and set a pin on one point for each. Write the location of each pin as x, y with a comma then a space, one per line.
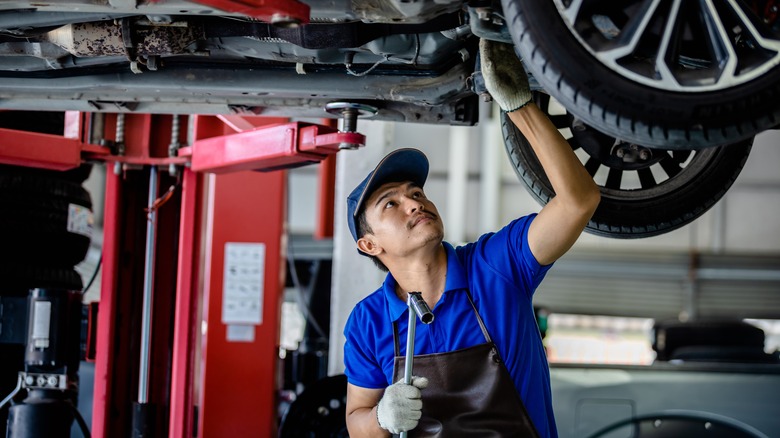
502, 275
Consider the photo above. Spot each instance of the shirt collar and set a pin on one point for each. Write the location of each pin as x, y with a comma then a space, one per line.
456, 280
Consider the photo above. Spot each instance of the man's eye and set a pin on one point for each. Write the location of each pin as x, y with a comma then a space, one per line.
418, 195
390, 204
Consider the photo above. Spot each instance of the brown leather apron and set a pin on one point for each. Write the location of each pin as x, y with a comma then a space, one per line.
470, 392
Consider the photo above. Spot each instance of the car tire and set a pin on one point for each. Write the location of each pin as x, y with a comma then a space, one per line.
76, 175
318, 411
695, 181
19, 279
578, 71
45, 222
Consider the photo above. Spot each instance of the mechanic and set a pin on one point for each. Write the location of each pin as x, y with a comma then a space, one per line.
480, 368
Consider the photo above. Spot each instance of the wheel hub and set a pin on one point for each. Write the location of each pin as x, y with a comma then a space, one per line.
631, 153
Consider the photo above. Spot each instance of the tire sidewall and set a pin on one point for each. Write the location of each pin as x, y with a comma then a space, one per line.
621, 107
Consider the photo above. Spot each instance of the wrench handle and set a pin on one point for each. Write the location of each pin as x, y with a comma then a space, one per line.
409, 352
417, 308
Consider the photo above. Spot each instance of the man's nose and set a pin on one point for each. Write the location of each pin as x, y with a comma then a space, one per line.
414, 204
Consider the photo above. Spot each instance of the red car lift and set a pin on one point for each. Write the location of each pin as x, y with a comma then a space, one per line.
147, 337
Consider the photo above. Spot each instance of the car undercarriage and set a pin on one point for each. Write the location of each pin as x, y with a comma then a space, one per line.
657, 82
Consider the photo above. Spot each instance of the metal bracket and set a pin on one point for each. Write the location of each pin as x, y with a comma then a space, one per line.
43, 381
13, 393
349, 113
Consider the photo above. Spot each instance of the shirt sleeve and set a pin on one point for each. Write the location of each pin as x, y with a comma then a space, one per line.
361, 366
508, 253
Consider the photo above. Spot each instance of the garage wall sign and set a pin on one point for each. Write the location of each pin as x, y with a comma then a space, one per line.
242, 300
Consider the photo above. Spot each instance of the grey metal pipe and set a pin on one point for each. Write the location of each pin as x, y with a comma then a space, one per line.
409, 347
148, 293
417, 308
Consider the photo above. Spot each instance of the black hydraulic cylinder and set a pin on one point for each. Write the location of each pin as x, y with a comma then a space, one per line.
51, 361
42, 414
143, 420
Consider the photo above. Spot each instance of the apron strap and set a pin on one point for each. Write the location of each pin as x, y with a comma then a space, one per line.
479, 318
397, 346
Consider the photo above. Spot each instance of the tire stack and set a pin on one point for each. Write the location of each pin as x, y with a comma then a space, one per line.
45, 230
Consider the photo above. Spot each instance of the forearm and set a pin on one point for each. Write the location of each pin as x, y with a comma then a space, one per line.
561, 221
363, 423
569, 179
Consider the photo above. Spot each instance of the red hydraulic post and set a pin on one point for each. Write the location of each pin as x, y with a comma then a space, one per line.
186, 319
104, 356
119, 341
242, 302
326, 192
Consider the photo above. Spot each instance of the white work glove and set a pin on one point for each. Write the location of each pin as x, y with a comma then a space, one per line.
400, 408
504, 75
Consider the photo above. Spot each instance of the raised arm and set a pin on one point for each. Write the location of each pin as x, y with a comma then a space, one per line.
562, 220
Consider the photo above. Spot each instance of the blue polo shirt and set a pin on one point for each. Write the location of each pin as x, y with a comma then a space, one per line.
502, 275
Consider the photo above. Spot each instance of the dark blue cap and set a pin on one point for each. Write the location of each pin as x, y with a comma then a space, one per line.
400, 165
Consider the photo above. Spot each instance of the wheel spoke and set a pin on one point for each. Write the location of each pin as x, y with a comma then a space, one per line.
574, 142
681, 156
719, 41
749, 26
592, 166
668, 50
571, 11
752, 51
543, 102
670, 165
631, 34
646, 178
677, 45
614, 179
560, 121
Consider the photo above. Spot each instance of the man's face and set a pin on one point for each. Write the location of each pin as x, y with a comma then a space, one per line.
402, 219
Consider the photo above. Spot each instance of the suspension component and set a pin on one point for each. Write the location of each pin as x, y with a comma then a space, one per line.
349, 113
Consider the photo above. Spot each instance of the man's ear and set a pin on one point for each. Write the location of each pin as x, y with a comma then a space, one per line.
368, 245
